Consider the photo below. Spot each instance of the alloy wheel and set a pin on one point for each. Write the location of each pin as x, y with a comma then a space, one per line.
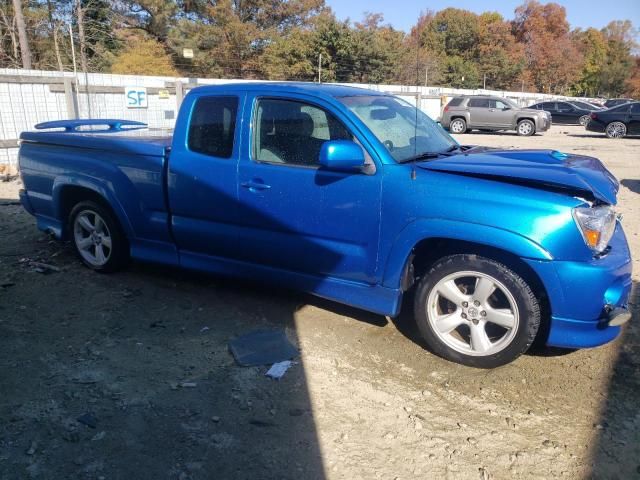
473, 313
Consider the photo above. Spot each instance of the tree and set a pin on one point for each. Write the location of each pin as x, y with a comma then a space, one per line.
620, 39
453, 32
25, 51
594, 50
500, 58
544, 32
143, 56
459, 73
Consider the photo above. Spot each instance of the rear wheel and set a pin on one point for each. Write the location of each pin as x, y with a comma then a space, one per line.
97, 237
584, 119
616, 130
526, 128
475, 311
458, 125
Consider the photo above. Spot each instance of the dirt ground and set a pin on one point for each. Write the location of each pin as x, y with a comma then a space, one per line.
92, 369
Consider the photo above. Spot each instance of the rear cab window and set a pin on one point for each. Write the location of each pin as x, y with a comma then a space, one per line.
212, 126
455, 102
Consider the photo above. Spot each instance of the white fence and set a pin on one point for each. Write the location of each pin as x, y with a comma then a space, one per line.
28, 97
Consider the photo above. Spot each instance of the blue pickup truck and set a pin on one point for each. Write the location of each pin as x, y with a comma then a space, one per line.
352, 195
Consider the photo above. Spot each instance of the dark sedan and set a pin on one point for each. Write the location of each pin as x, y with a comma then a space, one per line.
564, 113
617, 122
614, 102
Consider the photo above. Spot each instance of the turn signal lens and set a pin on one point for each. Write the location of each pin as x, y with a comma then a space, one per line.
596, 224
592, 237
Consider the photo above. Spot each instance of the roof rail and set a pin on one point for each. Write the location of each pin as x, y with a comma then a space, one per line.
73, 126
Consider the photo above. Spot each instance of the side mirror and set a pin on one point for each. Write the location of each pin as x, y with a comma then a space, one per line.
341, 155
504, 109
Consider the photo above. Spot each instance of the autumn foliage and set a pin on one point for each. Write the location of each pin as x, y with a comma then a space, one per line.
536, 50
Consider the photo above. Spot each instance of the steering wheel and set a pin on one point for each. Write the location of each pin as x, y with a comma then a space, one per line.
388, 144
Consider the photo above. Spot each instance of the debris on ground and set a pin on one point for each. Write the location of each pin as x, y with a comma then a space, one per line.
278, 370
262, 347
88, 419
44, 268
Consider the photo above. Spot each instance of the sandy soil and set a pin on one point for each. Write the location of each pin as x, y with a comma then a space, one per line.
364, 400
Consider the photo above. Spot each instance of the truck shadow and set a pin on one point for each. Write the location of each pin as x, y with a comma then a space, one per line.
129, 376
631, 184
619, 427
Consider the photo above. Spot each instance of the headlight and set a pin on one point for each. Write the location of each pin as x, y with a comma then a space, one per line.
596, 224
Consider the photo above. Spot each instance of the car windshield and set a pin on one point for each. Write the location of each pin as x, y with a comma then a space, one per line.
405, 131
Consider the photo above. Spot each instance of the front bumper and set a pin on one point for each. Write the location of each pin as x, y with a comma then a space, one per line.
589, 300
543, 124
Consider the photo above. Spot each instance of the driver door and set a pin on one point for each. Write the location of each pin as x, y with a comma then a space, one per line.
295, 215
501, 114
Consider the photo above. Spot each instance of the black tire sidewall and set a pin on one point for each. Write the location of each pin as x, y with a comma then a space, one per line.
119, 245
528, 309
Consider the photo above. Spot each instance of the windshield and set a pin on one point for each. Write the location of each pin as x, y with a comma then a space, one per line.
405, 131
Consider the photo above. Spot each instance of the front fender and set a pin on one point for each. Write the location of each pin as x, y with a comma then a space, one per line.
426, 228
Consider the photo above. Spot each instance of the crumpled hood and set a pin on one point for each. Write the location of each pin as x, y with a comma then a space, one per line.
549, 169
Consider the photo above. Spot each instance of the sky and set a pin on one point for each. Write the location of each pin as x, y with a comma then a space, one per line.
403, 14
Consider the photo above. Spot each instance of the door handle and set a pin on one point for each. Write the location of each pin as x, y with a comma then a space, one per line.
255, 185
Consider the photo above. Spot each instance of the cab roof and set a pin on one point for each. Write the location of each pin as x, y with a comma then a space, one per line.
328, 89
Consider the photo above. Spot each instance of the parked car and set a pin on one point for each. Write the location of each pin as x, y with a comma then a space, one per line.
487, 113
617, 122
587, 105
614, 102
564, 113
352, 195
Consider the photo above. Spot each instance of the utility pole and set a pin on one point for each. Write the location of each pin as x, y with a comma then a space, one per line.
25, 51
426, 75
320, 68
484, 82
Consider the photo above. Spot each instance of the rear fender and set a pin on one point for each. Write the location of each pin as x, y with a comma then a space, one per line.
424, 229
97, 187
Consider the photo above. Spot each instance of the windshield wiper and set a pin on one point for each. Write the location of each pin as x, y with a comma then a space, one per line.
428, 155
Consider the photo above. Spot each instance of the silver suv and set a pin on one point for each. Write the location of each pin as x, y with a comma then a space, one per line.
487, 113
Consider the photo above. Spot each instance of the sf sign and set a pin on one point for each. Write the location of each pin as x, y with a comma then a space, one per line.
135, 97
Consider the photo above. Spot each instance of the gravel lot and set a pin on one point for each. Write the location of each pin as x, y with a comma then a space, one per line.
365, 400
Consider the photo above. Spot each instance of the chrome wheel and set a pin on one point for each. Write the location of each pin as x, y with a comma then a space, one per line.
584, 120
457, 126
616, 130
92, 237
473, 313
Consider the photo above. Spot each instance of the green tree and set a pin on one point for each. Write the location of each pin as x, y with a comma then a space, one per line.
593, 47
620, 38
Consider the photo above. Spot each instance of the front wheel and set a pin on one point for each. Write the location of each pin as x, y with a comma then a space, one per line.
475, 311
526, 128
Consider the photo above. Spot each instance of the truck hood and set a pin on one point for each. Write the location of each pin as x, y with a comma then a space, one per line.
546, 169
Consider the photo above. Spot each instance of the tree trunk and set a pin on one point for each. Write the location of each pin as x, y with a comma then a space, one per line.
53, 26
81, 36
25, 52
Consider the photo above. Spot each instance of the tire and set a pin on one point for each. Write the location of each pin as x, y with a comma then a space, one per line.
584, 119
615, 130
526, 128
458, 126
476, 339
97, 237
